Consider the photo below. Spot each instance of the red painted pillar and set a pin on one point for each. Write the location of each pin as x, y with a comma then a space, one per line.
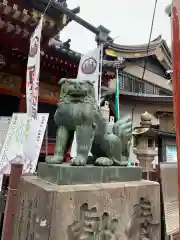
22, 104
176, 76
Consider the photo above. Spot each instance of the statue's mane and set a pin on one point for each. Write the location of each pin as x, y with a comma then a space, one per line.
73, 80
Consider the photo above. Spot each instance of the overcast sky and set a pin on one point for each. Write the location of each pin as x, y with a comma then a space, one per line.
128, 19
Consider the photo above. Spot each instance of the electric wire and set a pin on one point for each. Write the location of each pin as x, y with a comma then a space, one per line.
145, 62
48, 5
150, 35
147, 51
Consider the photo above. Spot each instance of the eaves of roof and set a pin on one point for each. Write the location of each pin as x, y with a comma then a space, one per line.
58, 51
157, 47
148, 98
137, 48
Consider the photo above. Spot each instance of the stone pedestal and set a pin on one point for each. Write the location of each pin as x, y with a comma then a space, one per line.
126, 210
65, 174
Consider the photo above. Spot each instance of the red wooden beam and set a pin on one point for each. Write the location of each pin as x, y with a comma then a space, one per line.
176, 76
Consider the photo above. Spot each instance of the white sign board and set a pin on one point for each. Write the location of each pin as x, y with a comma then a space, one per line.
16, 141
4, 125
171, 154
33, 142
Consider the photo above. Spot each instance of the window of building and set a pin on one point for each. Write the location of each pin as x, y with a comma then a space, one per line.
139, 87
149, 88
125, 82
121, 82
131, 83
156, 90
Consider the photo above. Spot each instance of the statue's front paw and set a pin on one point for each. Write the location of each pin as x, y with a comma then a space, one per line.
103, 161
78, 161
120, 162
56, 159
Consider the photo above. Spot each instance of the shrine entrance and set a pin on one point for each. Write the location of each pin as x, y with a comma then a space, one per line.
10, 93
9, 105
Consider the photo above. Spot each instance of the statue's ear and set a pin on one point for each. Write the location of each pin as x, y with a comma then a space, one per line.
61, 84
61, 81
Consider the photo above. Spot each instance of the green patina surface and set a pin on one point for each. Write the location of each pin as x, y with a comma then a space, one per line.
78, 112
65, 174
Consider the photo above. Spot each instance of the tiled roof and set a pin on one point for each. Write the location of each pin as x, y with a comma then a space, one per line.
141, 50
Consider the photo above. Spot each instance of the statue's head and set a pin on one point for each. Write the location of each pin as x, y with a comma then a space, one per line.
76, 89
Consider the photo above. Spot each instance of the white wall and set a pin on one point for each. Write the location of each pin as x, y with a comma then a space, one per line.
148, 76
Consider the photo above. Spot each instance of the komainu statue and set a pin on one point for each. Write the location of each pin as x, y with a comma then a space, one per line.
78, 112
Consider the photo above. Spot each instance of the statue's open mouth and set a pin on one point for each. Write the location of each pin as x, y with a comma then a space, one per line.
77, 93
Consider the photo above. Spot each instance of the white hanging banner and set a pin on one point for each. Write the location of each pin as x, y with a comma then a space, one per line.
15, 143
89, 69
32, 74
